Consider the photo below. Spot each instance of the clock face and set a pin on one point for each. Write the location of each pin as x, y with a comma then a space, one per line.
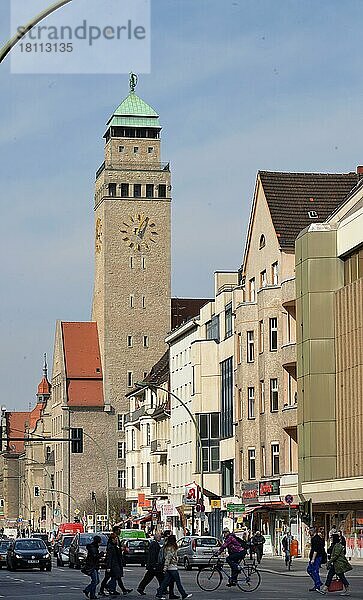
98, 235
139, 232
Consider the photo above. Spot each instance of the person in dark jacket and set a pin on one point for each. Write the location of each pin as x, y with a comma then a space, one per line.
317, 557
258, 541
337, 565
91, 567
154, 568
114, 569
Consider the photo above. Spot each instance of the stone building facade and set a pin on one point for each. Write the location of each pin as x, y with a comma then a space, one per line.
131, 301
329, 278
265, 333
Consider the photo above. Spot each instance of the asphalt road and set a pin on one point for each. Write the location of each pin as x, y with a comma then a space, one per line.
67, 584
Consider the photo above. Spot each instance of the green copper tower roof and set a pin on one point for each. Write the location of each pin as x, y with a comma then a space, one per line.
134, 112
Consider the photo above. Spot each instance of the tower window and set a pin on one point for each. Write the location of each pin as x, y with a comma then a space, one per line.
149, 190
143, 262
136, 149
129, 379
131, 262
112, 189
137, 190
129, 341
121, 148
132, 301
262, 242
124, 190
143, 302
150, 149
162, 190
146, 341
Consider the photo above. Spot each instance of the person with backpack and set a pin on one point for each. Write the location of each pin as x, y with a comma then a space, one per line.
317, 557
237, 550
337, 565
171, 570
154, 568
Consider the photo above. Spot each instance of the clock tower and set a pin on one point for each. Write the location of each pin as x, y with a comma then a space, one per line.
131, 300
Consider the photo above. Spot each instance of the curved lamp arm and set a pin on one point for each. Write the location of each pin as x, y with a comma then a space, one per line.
4, 51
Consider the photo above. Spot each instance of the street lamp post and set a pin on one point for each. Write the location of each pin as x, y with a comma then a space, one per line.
153, 386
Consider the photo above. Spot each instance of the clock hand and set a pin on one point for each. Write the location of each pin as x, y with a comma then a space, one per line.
144, 227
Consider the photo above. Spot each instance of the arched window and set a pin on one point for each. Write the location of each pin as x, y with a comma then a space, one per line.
262, 241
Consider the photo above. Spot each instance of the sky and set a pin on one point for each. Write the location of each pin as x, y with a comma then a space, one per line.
239, 85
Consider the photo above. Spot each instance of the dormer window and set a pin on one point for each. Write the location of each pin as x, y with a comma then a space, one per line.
262, 242
312, 214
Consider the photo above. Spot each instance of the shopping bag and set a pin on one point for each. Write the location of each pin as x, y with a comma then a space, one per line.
336, 585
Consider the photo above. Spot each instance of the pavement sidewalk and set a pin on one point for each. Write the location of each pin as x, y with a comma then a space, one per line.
276, 565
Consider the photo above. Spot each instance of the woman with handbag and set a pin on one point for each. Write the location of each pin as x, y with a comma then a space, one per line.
337, 565
91, 567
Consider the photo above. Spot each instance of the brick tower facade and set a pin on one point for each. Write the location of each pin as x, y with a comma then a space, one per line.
131, 301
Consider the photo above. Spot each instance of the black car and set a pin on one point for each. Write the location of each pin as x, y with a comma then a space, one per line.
4, 545
28, 553
44, 537
134, 550
78, 550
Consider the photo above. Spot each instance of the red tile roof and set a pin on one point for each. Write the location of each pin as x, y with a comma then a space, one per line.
15, 427
83, 364
44, 386
35, 415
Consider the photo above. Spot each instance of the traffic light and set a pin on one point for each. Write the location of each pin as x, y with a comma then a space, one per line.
306, 511
36, 491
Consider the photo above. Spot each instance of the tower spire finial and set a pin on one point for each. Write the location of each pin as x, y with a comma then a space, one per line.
133, 81
45, 366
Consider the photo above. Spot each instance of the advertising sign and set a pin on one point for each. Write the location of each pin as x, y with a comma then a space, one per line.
269, 488
215, 503
191, 494
249, 493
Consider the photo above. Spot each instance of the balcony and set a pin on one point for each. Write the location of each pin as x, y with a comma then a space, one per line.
288, 356
135, 166
134, 416
288, 293
159, 489
158, 447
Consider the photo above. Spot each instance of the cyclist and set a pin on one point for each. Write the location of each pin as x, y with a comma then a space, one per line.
237, 550
286, 545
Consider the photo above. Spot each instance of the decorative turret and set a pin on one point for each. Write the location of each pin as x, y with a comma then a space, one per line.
44, 386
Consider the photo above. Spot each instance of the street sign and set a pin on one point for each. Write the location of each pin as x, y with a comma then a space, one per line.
215, 503
236, 508
56, 512
289, 499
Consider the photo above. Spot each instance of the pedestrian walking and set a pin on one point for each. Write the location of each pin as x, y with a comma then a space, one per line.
257, 544
342, 540
91, 567
114, 568
337, 565
154, 568
171, 569
237, 550
317, 557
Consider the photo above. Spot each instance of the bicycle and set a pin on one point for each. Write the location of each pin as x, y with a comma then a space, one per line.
210, 578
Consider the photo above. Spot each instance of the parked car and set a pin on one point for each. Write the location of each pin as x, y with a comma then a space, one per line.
196, 551
28, 553
78, 550
62, 551
134, 550
44, 537
4, 545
